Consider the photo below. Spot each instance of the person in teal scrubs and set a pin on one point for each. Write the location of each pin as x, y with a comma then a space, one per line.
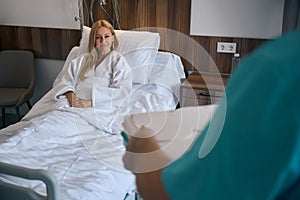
257, 155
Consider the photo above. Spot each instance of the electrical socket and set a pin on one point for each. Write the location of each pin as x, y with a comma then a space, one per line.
226, 47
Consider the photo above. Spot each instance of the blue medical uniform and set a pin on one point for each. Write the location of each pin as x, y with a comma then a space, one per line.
257, 155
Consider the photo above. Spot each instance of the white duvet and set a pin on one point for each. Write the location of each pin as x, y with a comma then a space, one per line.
86, 160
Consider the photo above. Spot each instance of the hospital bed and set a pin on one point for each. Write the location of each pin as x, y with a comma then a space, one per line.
83, 160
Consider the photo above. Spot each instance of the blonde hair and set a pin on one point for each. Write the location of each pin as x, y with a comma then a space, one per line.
91, 57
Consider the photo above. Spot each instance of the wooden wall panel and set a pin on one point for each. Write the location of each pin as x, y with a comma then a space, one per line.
128, 14
43, 42
168, 14
161, 14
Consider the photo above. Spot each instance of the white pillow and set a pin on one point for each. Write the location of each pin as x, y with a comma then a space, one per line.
138, 47
167, 70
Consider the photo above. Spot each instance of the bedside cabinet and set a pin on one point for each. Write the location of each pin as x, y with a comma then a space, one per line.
202, 89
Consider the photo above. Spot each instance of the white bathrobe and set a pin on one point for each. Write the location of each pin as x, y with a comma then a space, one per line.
107, 86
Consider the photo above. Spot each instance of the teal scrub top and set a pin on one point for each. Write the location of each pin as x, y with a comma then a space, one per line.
257, 155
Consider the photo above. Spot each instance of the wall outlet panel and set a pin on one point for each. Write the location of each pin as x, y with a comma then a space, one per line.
226, 47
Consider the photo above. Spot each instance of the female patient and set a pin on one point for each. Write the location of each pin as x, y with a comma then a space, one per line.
98, 73
98, 81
